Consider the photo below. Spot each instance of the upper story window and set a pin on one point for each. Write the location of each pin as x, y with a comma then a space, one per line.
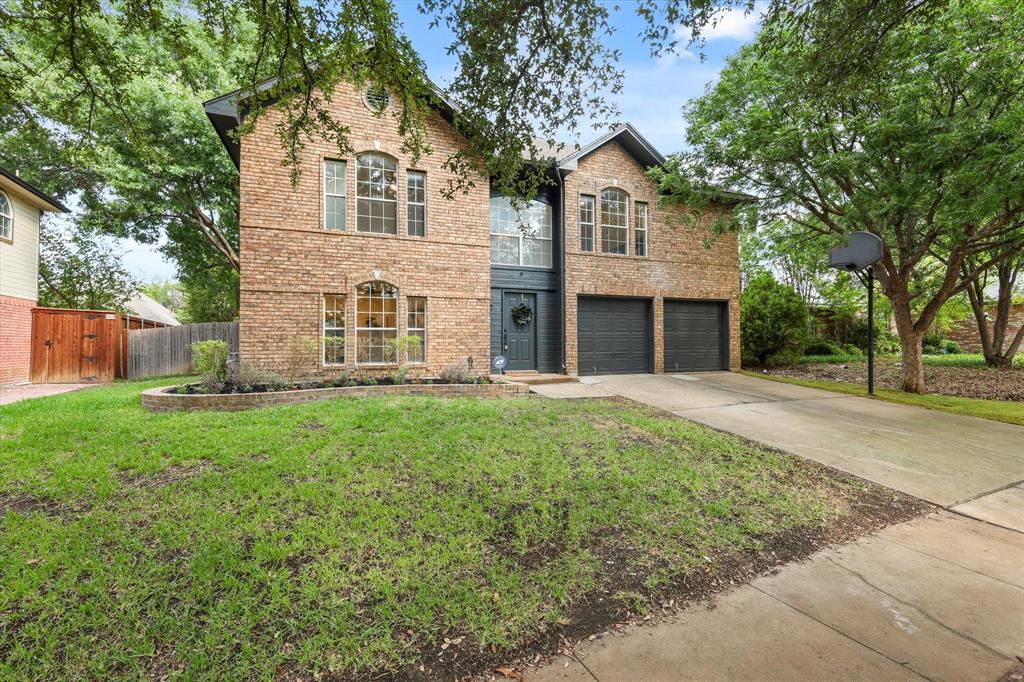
614, 224
335, 194
640, 230
334, 329
6, 217
586, 223
376, 194
376, 322
416, 203
520, 236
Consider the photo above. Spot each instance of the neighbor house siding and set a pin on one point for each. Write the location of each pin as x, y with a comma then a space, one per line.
678, 264
289, 261
19, 273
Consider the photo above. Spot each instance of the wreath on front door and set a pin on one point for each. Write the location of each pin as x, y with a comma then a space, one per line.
522, 314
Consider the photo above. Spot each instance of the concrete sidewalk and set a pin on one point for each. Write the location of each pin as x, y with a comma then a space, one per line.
12, 394
938, 598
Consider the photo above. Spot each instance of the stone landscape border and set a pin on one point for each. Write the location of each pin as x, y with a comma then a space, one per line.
164, 399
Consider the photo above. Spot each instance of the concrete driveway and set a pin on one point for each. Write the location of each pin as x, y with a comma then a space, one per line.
944, 458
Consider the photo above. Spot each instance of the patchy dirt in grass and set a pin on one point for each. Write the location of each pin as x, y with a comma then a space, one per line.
24, 504
623, 600
172, 474
965, 382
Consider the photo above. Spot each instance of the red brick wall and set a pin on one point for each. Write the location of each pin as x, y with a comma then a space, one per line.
289, 260
678, 264
15, 339
965, 332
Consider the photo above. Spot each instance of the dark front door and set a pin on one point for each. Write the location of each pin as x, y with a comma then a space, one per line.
694, 338
518, 338
613, 335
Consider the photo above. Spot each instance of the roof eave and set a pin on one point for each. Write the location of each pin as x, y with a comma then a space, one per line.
49, 203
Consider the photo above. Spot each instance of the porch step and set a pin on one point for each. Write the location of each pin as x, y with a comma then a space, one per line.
535, 378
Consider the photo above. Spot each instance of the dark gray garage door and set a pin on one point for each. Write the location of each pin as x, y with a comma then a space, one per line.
693, 336
614, 335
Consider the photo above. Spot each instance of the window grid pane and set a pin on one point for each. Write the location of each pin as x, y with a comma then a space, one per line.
416, 203
376, 322
334, 329
640, 232
586, 223
335, 178
614, 230
376, 194
521, 237
417, 326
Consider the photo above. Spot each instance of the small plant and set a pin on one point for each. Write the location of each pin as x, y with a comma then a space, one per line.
342, 380
950, 347
300, 352
400, 374
246, 379
822, 347
210, 358
457, 373
368, 381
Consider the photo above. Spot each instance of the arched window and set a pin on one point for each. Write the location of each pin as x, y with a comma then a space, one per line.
376, 194
614, 230
6, 217
520, 236
376, 322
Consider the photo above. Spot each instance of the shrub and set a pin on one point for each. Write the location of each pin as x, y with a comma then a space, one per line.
823, 347
457, 373
302, 352
950, 347
246, 379
850, 349
886, 343
773, 321
210, 359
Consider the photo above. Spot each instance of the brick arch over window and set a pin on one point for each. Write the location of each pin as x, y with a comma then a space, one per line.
614, 220
376, 322
376, 193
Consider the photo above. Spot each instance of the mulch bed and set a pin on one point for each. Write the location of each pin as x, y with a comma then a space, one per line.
965, 382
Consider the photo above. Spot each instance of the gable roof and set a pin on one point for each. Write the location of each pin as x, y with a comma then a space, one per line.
47, 203
141, 305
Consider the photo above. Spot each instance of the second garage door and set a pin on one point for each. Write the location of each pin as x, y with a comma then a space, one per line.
694, 341
614, 335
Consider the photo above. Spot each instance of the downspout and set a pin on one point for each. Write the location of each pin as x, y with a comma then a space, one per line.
561, 256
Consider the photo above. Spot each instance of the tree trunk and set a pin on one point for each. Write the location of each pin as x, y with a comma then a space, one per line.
912, 372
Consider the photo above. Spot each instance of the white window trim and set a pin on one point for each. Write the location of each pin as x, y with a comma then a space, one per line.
395, 201
10, 217
522, 237
422, 174
343, 162
324, 328
646, 229
409, 330
592, 223
355, 345
597, 237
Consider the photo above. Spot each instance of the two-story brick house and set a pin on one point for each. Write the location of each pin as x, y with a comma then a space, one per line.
594, 276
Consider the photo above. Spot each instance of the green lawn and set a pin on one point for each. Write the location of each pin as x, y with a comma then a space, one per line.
947, 360
1009, 411
353, 536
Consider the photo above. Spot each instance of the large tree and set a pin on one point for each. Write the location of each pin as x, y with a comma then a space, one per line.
926, 150
997, 345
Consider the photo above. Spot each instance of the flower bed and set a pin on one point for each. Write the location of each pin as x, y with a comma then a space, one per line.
172, 399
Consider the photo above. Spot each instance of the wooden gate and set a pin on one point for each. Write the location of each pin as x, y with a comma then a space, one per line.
74, 346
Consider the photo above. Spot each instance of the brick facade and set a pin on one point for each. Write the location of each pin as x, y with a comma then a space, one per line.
965, 332
677, 265
289, 261
15, 339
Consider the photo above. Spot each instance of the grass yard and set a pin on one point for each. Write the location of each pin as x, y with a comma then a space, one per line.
944, 360
1009, 411
353, 538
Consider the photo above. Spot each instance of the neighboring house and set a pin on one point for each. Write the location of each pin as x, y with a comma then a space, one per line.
965, 331
21, 206
593, 277
148, 311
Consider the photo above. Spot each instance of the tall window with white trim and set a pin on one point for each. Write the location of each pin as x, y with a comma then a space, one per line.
614, 223
6, 217
416, 203
335, 194
376, 322
586, 222
417, 327
520, 236
334, 329
640, 229
376, 194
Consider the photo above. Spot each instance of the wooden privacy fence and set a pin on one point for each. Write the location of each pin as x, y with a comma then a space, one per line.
168, 350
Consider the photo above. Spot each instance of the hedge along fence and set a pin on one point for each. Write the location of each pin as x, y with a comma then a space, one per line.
168, 350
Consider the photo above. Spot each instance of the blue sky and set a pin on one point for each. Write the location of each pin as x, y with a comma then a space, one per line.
652, 98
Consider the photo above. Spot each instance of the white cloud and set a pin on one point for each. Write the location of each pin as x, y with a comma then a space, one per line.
731, 24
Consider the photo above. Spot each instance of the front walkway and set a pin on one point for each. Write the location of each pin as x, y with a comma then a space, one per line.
12, 394
938, 598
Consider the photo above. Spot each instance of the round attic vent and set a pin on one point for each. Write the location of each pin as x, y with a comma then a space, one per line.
376, 98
